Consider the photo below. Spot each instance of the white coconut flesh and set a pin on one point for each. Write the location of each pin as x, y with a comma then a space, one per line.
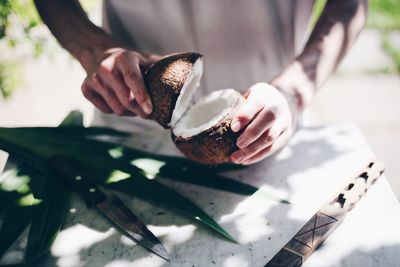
206, 113
185, 96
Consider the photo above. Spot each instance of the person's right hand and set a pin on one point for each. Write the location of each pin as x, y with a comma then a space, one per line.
114, 83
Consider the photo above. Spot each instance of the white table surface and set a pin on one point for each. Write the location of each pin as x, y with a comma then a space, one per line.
313, 167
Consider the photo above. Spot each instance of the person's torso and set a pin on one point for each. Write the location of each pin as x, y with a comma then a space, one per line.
243, 42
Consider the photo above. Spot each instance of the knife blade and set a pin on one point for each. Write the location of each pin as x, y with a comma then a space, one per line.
327, 219
3, 160
108, 205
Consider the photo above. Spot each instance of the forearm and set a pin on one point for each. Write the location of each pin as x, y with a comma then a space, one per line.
336, 30
76, 33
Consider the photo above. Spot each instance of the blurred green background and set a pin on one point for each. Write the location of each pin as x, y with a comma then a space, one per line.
22, 37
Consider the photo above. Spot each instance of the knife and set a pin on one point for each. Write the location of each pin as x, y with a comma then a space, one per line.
110, 206
327, 219
3, 160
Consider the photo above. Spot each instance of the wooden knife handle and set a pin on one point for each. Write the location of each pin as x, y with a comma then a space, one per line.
327, 219
69, 170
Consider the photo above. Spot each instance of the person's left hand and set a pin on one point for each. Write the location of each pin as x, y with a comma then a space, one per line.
267, 122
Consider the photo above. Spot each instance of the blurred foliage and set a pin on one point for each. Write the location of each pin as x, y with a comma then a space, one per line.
384, 14
317, 10
90, 5
23, 36
391, 50
9, 77
18, 21
19, 36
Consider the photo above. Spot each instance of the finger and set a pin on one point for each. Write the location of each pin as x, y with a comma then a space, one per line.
268, 151
138, 110
95, 98
244, 154
246, 112
109, 96
258, 157
148, 59
256, 128
132, 76
130, 102
126, 98
99, 103
116, 83
265, 140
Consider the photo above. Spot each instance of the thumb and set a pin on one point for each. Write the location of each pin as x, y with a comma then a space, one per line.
247, 111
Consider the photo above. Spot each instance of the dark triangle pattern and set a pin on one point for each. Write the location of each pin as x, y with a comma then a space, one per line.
317, 222
323, 219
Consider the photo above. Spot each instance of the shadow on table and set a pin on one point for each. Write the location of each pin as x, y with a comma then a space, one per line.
370, 258
303, 154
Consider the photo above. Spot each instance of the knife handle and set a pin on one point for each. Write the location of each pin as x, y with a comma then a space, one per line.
327, 219
69, 170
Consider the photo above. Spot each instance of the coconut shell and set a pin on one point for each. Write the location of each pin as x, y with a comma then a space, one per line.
213, 146
164, 81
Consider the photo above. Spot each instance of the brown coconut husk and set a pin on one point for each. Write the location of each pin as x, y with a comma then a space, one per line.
211, 147
164, 80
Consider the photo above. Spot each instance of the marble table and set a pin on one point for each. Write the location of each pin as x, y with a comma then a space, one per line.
315, 164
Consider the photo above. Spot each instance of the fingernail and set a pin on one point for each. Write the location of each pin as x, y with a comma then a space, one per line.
241, 143
235, 126
237, 158
147, 108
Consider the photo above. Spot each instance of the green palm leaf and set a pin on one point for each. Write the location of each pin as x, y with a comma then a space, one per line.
94, 155
155, 192
21, 206
117, 167
156, 165
43, 204
214, 181
49, 218
71, 131
55, 197
108, 170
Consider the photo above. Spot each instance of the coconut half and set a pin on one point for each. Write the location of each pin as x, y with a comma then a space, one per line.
203, 133
200, 130
171, 83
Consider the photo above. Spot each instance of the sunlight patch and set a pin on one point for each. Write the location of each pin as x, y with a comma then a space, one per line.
70, 242
174, 234
11, 181
71, 260
117, 176
233, 261
153, 262
151, 167
116, 152
28, 200
23, 189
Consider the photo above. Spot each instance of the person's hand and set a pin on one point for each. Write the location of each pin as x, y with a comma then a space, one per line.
267, 122
114, 83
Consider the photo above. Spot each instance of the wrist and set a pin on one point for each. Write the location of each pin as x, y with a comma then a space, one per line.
90, 51
90, 48
295, 84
